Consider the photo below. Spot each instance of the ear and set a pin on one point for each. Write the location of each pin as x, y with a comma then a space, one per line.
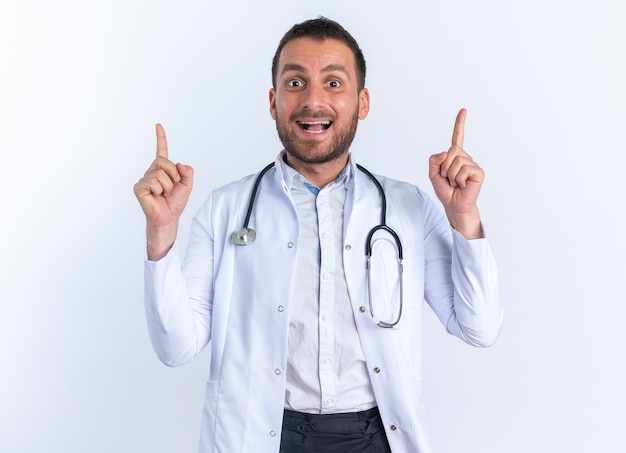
273, 103
364, 103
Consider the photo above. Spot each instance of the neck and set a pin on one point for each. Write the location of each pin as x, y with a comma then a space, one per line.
318, 174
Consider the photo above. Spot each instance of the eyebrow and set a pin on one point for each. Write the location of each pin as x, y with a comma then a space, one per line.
329, 68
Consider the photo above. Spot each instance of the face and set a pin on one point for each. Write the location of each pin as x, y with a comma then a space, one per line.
316, 103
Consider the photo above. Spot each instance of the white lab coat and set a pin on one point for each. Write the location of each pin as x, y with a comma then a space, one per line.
238, 297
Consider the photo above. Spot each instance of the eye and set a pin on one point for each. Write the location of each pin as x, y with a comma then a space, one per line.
334, 83
295, 83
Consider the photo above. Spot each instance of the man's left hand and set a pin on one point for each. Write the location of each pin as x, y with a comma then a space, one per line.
457, 179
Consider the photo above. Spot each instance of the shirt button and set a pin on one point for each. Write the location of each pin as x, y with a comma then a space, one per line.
393, 427
290, 245
362, 309
326, 275
376, 370
277, 371
348, 247
273, 433
281, 308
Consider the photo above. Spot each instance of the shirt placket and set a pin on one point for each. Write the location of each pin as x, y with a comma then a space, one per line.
326, 301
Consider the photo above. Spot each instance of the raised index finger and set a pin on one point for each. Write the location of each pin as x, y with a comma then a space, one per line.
161, 142
459, 129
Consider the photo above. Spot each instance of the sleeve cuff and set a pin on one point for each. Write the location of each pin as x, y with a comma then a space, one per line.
166, 260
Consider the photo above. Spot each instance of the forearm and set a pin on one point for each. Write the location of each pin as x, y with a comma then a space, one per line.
461, 284
477, 314
172, 321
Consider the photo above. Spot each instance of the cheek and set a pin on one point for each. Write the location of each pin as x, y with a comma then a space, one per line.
346, 106
282, 107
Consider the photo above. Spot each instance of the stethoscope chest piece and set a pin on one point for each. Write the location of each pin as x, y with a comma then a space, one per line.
243, 236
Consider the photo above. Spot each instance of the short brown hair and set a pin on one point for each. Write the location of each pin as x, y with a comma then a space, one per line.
321, 29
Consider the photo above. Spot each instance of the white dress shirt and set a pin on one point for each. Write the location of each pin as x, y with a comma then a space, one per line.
326, 371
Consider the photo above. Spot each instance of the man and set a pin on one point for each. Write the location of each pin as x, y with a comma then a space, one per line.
297, 364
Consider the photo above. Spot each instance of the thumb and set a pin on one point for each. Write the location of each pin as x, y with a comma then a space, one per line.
186, 174
434, 164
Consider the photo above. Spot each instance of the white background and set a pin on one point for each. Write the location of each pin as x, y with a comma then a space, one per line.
82, 85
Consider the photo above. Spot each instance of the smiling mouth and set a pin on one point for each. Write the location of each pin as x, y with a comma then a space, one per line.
314, 127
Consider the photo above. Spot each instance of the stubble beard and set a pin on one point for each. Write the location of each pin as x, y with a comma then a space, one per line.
306, 150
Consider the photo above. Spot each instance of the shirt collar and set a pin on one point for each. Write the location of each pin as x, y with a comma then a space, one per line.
291, 177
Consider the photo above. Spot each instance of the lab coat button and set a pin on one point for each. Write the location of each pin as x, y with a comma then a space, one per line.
281, 308
393, 427
348, 247
290, 245
273, 433
376, 370
362, 309
277, 371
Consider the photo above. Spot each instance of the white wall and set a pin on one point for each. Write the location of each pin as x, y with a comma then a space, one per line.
81, 86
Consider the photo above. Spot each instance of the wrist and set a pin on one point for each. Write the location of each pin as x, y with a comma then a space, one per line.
159, 240
467, 224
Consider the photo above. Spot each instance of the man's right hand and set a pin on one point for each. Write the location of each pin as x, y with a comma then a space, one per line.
163, 193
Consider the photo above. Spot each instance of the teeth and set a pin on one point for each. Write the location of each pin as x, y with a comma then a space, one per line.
307, 125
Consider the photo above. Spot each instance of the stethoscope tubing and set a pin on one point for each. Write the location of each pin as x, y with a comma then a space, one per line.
245, 236
254, 192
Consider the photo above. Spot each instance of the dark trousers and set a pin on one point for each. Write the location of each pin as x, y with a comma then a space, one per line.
355, 432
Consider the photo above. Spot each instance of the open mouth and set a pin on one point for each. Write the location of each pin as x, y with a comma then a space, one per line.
314, 127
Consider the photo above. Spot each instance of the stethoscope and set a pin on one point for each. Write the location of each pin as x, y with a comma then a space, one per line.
246, 236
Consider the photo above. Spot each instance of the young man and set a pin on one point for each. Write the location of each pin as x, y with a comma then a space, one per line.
297, 364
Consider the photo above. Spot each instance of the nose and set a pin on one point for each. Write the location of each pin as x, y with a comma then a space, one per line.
314, 97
